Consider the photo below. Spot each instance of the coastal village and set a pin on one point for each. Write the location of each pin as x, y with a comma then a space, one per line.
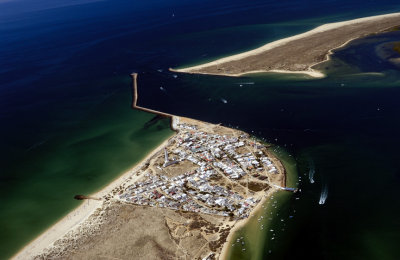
208, 172
183, 201
206, 182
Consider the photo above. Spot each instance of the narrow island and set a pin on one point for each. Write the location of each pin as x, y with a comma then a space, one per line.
183, 201
299, 53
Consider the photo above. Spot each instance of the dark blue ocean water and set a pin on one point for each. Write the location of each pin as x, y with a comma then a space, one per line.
65, 104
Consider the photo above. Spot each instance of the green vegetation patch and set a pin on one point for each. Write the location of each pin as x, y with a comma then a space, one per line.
396, 47
394, 29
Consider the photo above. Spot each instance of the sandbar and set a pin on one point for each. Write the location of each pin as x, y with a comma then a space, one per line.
299, 53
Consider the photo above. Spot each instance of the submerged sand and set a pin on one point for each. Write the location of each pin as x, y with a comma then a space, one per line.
299, 53
80, 215
99, 229
109, 229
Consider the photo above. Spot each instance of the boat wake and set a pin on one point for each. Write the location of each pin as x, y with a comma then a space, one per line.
311, 172
36, 145
324, 195
241, 84
245, 83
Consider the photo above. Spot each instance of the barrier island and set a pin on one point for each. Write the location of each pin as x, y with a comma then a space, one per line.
299, 53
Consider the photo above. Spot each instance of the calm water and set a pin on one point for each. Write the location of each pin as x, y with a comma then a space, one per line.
256, 239
343, 129
67, 126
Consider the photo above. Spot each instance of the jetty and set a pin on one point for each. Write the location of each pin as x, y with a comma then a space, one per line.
83, 197
294, 190
135, 98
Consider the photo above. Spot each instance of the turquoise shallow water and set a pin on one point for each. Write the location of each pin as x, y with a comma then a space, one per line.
80, 161
259, 237
67, 126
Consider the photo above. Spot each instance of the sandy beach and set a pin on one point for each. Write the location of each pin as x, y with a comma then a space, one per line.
241, 223
80, 214
299, 53
108, 228
96, 227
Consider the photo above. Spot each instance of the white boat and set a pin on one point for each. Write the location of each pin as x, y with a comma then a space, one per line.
324, 195
311, 171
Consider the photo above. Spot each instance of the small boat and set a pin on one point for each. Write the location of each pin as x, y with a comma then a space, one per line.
224, 100
311, 172
324, 195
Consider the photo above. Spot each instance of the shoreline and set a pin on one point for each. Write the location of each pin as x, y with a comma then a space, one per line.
202, 68
311, 72
78, 215
241, 223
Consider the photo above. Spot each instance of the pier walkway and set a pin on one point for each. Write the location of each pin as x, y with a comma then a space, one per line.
294, 190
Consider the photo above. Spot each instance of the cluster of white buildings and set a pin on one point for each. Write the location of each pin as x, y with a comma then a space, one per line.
211, 155
191, 191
